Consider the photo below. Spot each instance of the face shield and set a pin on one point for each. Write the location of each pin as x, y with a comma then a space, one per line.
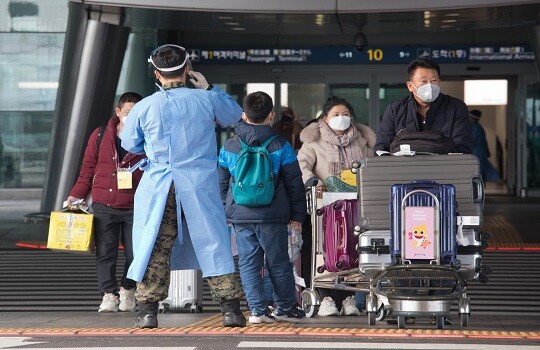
169, 69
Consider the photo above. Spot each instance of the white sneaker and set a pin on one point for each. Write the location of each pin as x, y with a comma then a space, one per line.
127, 299
258, 319
328, 307
349, 307
109, 303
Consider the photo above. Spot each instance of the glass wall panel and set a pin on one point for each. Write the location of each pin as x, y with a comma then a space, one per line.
32, 37
533, 136
306, 100
33, 16
30, 68
24, 146
389, 93
358, 96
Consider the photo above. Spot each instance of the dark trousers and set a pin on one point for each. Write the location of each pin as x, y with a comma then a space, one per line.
110, 227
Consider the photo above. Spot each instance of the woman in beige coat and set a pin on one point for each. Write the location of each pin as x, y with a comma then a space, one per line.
330, 145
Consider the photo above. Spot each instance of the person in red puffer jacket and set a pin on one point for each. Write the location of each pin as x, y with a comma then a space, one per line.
104, 174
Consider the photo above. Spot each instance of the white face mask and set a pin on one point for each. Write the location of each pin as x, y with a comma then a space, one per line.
427, 92
122, 117
340, 122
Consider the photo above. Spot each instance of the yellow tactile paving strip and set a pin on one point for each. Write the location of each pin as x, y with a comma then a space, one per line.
504, 235
213, 326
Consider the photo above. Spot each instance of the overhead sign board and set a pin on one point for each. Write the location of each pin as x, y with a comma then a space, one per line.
371, 55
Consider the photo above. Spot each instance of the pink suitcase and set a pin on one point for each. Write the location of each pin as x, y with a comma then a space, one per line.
339, 242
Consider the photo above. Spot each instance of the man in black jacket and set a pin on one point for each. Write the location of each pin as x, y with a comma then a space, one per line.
426, 109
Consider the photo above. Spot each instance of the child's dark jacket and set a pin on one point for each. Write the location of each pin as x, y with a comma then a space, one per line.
289, 201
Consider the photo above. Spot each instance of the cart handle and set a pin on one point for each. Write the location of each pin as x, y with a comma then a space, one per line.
420, 191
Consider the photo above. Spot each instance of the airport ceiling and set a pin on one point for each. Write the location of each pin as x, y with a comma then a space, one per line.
335, 24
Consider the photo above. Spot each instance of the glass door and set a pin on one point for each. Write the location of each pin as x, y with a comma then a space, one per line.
533, 137
390, 92
358, 96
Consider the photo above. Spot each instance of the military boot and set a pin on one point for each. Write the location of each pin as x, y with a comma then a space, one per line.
147, 315
232, 316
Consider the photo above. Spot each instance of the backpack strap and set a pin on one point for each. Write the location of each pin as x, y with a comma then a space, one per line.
268, 140
102, 128
242, 143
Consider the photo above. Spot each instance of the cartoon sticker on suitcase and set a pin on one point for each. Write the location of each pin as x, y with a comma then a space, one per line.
419, 233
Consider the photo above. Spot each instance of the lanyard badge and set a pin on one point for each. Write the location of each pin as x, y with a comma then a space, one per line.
124, 178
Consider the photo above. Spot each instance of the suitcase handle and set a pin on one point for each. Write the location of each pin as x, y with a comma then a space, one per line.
423, 184
478, 190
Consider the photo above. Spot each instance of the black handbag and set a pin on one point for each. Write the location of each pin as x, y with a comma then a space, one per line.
429, 141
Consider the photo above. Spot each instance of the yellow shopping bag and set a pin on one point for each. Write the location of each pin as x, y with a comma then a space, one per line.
348, 177
71, 231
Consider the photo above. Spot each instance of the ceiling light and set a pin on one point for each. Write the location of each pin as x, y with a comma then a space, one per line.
238, 28
232, 23
226, 17
37, 85
449, 21
427, 14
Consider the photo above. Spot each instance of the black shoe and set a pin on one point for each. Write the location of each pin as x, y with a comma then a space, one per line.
146, 321
147, 316
232, 316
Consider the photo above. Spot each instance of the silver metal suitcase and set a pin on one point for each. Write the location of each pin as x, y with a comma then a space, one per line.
185, 292
377, 175
374, 254
374, 251
470, 256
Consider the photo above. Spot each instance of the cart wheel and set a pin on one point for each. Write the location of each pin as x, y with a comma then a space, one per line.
464, 319
439, 321
382, 313
372, 317
309, 309
401, 322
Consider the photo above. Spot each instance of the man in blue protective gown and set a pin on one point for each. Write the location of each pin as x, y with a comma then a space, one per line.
175, 128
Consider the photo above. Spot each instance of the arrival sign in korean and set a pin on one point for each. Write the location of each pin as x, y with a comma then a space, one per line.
371, 55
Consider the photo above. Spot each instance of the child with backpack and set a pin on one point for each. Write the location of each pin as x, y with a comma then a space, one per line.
262, 189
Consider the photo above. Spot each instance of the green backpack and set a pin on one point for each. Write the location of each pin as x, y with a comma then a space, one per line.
253, 181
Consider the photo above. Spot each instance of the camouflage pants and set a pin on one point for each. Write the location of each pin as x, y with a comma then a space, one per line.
155, 284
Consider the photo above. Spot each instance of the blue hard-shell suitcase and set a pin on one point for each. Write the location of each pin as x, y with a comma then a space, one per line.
445, 224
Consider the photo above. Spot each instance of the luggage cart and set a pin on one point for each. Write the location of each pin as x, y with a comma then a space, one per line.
426, 288
348, 280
